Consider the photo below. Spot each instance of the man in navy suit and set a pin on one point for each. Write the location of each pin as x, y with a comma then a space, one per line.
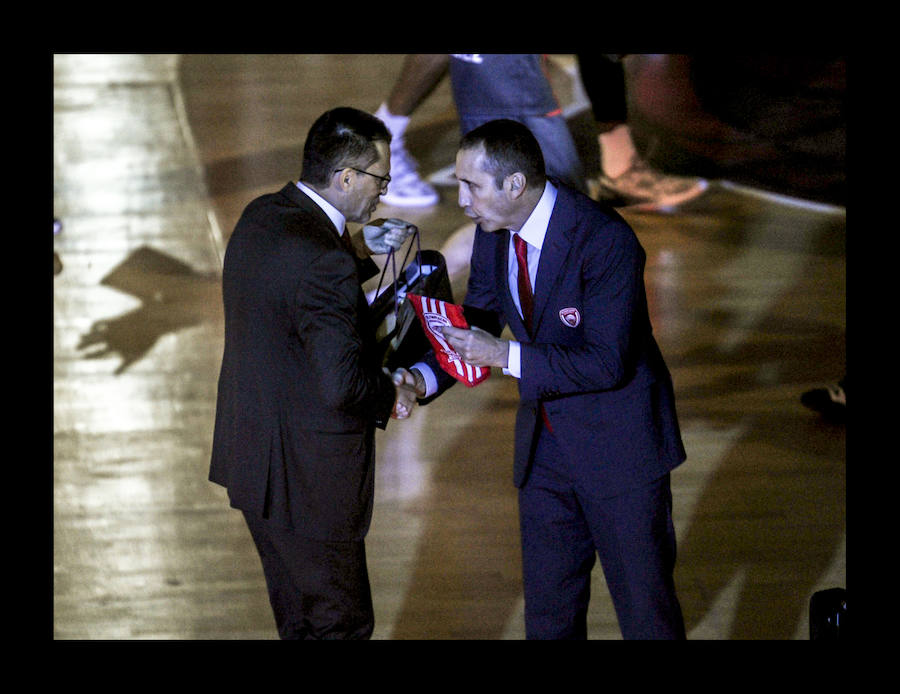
301, 388
596, 432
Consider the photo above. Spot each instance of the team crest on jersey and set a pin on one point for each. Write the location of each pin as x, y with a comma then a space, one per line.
570, 316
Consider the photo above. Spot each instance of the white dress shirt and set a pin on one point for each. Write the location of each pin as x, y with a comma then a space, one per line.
333, 213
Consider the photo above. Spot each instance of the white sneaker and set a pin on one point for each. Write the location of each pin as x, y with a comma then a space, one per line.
406, 189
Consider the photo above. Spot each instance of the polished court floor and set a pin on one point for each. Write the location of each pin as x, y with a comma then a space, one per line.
154, 158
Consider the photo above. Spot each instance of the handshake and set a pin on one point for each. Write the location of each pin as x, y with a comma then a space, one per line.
409, 386
476, 347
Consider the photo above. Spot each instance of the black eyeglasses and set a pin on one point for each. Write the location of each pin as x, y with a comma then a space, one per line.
385, 179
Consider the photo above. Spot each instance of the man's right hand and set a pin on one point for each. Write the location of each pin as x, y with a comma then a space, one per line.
405, 384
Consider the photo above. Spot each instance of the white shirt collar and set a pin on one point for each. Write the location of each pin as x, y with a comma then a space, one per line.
535, 227
333, 213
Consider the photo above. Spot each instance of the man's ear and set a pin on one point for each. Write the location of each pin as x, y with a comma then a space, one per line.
344, 179
515, 184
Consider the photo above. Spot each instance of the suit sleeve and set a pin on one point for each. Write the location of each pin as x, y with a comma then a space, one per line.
482, 305
612, 263
327, 314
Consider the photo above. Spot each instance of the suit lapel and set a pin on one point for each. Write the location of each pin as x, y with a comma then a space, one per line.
557, 244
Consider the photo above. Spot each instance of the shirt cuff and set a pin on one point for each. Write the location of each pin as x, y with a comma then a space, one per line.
431, 384
514, 367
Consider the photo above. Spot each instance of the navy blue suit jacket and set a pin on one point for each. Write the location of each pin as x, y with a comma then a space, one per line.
593, 361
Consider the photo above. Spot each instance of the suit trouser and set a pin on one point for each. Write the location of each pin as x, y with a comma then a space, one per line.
318, 590
564, 527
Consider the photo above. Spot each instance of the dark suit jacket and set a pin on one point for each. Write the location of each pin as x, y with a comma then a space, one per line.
300, 391
593, 361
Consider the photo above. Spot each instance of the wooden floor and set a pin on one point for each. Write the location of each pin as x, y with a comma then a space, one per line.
155, 157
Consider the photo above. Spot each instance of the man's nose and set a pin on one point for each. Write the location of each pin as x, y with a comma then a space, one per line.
463, 198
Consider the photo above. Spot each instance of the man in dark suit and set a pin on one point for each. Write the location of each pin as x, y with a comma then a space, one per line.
596, 430
301, 389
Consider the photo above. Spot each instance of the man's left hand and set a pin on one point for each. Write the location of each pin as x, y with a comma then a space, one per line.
477, 347
386, 235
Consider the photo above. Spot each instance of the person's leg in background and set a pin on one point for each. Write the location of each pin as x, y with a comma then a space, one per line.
626, 178
418, 77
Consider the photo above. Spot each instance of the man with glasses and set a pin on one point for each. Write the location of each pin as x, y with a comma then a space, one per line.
301, 389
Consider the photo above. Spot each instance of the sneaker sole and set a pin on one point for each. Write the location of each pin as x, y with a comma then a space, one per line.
659, 205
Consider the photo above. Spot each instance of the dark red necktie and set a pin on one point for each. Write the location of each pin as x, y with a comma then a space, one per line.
526, 296
526, 299
348, 244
